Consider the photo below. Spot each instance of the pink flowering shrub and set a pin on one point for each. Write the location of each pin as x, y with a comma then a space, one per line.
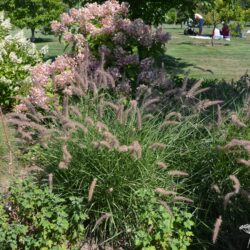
125, 44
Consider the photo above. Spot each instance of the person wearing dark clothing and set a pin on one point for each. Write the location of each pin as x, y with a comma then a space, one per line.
225, 32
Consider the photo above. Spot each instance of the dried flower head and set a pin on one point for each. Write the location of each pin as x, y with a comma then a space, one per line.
111, 139
110, 190
50, 179
135, 149
175, 114
101, 127
62, 165
167, 123
89, 121
165, 205
227, 198
139, 119
236, 182
236, 142
162, 165
204, 104
236, 121
104, 144
182, 198
66, 155
177, 173
195, 87
219, 116
102, 218
95, 144
123, 149
216, 188
245, 162
217, 226
158, 145
148, 116
133, 103
164, 192
150, 102
112, 105
76, 111
92, 189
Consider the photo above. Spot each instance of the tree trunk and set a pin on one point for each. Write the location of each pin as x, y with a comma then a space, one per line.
32, 35
214, 24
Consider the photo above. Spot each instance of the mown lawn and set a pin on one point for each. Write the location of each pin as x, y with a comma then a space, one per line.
225, 60
55, 47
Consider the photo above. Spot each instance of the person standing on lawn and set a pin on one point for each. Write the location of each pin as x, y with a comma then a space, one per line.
200, 20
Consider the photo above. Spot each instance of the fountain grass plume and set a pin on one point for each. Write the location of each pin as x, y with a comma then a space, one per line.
216, 230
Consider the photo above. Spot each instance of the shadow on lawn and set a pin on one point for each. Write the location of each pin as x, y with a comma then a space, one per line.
204, 70
186, 43
43, 40
174, 66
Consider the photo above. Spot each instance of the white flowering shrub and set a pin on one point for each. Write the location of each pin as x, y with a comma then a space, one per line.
5, 26
17, 56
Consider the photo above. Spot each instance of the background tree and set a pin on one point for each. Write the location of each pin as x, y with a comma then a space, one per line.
171, 17
74, 3
32, 14
151, 11
231, 11
225, 10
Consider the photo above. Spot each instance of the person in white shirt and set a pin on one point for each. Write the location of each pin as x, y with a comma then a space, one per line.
200, 22
217, 34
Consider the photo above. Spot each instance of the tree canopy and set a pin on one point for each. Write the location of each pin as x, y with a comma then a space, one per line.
151, 11
226, 10
32, 13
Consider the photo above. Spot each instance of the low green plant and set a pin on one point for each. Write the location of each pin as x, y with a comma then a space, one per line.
160, 228
34, 218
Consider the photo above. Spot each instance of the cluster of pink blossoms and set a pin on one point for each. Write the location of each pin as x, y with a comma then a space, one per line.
106, 19
86, 18
40, 74
37, 97
61, 70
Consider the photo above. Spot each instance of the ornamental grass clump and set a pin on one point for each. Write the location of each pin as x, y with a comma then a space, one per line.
105, 163
101, 150
97, 147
